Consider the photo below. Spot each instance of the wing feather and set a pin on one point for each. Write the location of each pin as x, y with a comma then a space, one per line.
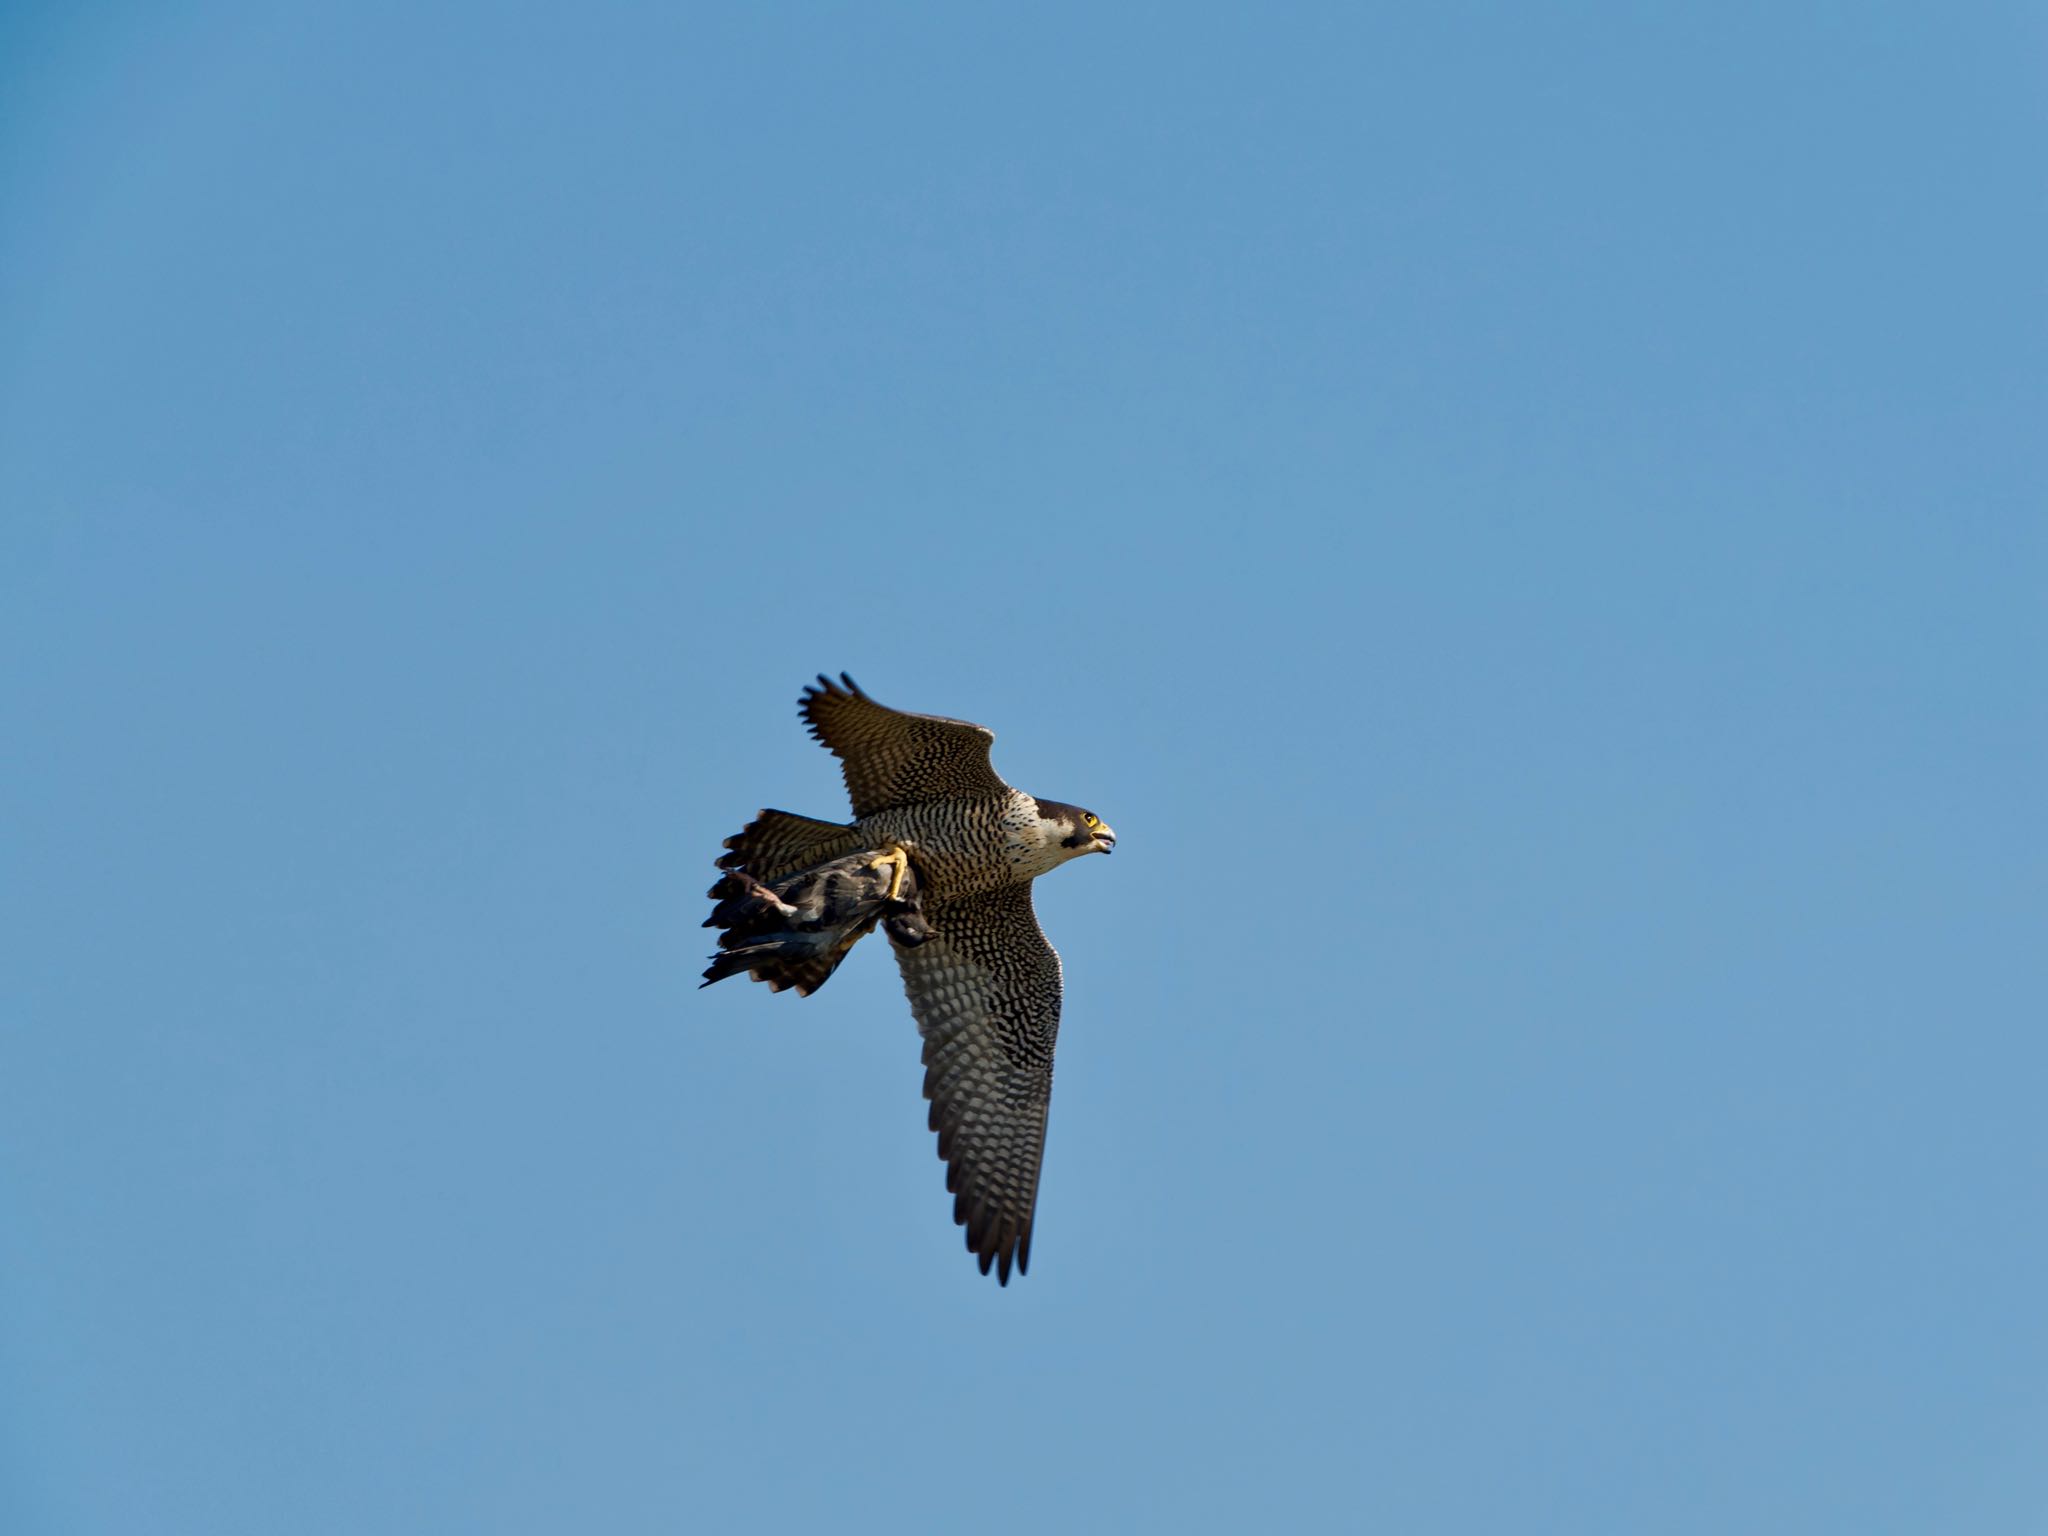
892, 758
985, 988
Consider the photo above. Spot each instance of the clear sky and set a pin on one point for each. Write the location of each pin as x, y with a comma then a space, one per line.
1532, 522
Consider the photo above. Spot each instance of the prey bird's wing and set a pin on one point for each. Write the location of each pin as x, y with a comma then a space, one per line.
985, 988
892, 758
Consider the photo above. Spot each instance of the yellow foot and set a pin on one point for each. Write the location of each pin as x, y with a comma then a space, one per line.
892, 855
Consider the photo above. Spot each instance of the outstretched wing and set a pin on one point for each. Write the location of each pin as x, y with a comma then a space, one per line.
985, 988
891, 758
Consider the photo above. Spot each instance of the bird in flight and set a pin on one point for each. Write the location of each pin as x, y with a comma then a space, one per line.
941, 852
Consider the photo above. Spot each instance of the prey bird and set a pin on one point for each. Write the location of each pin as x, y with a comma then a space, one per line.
940, 854
795, 932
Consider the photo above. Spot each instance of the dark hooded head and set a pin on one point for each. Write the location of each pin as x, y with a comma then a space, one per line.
1074, 831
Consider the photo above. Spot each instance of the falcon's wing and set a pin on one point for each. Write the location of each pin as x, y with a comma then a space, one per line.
891, 758
985, 988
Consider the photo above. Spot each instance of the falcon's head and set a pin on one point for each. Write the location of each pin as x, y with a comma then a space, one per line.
1074, 831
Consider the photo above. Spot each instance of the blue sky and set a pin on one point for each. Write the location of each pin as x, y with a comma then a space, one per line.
1529, 521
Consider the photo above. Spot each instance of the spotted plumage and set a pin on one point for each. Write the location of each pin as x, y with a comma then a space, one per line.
983, 983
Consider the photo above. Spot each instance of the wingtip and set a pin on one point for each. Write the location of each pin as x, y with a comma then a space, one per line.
825, 687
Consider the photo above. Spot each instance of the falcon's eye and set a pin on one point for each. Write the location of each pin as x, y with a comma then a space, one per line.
1089, 817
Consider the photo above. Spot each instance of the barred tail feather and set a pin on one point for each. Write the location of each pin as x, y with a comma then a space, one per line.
781, 964
779, 843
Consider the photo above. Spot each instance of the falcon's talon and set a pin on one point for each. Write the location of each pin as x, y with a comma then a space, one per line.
895, 859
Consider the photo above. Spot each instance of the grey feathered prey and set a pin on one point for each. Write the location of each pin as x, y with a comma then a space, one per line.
983, 982
795, 932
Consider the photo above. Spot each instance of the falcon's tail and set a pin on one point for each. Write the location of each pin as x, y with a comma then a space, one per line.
771, 961
778, 843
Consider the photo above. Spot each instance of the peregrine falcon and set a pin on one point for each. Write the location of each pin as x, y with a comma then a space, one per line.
941, 853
